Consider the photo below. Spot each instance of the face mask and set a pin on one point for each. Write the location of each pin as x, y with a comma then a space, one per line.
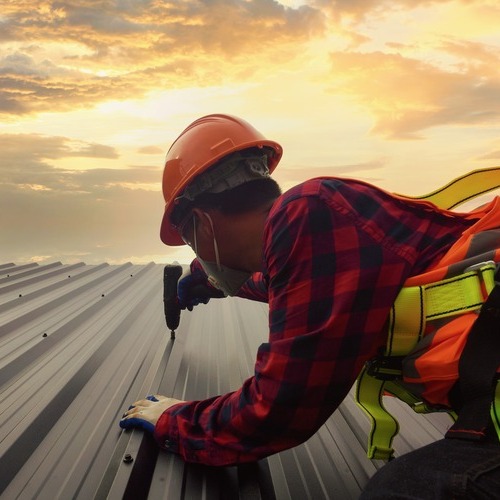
222, 277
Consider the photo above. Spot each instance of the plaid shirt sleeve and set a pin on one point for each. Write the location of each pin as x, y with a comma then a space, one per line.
336, 255
256, 288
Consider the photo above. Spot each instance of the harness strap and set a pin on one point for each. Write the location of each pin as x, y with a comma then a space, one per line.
495, 410
412, 308
416, 404
463, 188
384, 426
477, 369
415, 305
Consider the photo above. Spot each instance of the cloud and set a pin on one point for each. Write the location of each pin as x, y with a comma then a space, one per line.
352, 8
291, 176
493, 155
74, 225
19, 149
355, 170
61, 55
27, 86
73, 214
151, 150
24, 166
407, 95
358, 10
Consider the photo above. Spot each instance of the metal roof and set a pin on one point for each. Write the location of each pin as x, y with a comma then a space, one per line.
79, 343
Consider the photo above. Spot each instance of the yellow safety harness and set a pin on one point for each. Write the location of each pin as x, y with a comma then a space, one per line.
413, 308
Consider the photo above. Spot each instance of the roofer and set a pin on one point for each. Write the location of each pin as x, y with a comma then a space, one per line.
357, 280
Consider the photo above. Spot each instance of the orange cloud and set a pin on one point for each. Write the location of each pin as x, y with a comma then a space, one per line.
407, 95
493, 155
21, 149
358, 10
62, 55
100, 211
26, 166
150, 150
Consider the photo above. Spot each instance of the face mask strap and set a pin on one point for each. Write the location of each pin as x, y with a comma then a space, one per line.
195, 240
216, 248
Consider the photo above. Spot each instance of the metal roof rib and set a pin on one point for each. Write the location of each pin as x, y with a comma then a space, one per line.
79, 343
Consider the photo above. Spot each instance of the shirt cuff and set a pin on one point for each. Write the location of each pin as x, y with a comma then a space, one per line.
166, 432
194, 450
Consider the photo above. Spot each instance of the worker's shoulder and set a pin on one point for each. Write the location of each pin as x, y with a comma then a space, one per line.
309, 188
328, 189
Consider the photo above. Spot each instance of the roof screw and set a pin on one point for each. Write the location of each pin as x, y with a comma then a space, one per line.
102, 295
44, 335
128, 458
20, 295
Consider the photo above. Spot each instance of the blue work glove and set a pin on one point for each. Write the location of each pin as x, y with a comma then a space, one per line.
145, 413
187, 282
194, 288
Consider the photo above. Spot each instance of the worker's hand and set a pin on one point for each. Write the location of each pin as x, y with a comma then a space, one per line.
194, 288
146, 412
189, 281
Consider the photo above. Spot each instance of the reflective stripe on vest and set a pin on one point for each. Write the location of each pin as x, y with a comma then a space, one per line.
425, 300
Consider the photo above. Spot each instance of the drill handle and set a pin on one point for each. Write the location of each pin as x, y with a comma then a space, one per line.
171, 275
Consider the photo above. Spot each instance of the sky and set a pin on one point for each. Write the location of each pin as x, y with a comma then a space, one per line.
404, 94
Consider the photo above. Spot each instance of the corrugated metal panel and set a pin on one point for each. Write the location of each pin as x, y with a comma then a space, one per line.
79, 343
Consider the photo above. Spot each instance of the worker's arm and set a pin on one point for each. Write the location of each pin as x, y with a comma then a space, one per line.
331, 285
255, 288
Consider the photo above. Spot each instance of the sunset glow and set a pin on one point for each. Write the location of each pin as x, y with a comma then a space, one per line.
404, 94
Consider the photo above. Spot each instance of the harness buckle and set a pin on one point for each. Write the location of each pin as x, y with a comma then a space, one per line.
385, 367
481, 265
487, 282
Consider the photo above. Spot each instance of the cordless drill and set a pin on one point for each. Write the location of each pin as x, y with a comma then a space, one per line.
171, 275
200, 291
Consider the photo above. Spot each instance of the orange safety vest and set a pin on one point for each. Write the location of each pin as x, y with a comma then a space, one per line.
431, 319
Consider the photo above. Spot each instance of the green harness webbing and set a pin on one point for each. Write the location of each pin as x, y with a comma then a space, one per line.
464, 188
412, 308
415, 305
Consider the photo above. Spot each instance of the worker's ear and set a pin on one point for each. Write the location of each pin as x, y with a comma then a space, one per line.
204, 225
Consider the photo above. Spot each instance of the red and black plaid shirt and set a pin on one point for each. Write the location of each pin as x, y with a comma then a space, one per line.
336, 253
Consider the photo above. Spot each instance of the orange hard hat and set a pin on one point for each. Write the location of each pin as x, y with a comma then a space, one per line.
201, 145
